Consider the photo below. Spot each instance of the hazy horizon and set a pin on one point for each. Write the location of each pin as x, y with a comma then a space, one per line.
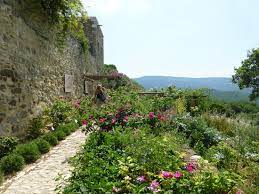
179, 76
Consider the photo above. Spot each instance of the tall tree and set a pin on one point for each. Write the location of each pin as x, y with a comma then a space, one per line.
247, 75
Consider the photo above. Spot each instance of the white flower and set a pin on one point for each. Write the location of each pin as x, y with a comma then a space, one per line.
127, 178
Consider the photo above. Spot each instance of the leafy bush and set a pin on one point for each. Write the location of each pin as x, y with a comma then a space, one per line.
220, 123
1, 177
12, 163
65, 128
7, 144
73, 126
60, 111
29, 152
224, 156
136, 152
43, 145
51, 138
35, 128
60, 135
130, 161
195, 129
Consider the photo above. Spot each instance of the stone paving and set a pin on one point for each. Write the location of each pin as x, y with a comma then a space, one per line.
40, 177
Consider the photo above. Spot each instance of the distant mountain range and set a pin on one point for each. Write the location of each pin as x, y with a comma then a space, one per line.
220, 87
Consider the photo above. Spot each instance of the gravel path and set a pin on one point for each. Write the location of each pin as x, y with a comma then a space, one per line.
40, 176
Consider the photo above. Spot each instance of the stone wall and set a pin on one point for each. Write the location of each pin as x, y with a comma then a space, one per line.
32, 68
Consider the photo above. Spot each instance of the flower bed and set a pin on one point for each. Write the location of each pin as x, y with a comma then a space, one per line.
138, 149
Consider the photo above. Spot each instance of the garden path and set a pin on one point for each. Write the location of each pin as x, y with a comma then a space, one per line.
39, 178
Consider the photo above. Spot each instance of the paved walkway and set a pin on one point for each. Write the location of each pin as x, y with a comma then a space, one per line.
39, 178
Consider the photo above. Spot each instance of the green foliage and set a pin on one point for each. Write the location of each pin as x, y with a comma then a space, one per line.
35, 128
29, 152
195, 129
60, 112
119, 80
1, 177
247, 75
72, 126
65, 129
68, 128
136, 140
232, 108
7, 144
11, 163
68, 17
224, 156
43, 145
51, 138
60, 135
221, 123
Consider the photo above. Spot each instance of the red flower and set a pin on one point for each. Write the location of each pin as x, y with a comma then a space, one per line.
126, 119
178, 175
190, 167
113, 120
102, 120
167, 175
151, 115
77, 103
160, 117
84, 122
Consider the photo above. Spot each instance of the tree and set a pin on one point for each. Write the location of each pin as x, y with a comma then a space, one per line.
247, 75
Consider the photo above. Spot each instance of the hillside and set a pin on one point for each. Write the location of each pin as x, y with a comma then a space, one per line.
220, 87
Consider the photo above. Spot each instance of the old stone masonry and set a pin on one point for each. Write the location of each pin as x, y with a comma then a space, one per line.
40, 177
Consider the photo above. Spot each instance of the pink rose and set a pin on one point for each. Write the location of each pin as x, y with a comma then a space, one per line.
166, 174
84, 122
178, 174
151, 115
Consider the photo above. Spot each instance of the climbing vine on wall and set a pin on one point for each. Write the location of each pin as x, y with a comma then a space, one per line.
67, 16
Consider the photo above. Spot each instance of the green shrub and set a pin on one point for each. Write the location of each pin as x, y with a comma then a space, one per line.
72, 126
60, 135
1, 177
29, 152
12, 163
51, 138
65, 129
35, 128
7, 144
59, 112
43, 145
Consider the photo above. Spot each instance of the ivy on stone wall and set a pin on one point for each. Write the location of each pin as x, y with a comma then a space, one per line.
67, 16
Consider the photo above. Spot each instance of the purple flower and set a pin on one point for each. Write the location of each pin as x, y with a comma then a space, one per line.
167, 175
154, 186
77, 104
178, 174
190, 167
84, 122
151, 115
113, 120
141, 179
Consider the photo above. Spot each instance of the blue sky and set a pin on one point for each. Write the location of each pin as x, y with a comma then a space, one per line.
194, 38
